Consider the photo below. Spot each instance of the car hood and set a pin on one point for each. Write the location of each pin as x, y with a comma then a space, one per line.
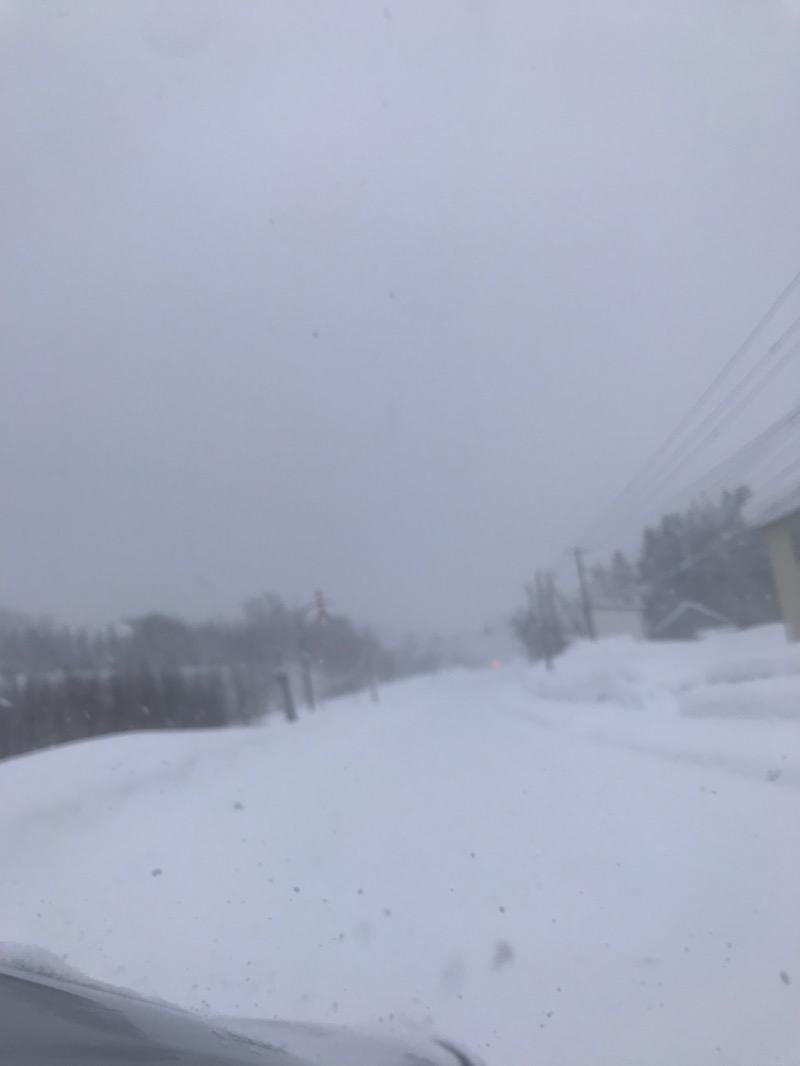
52, 1016
333, 1045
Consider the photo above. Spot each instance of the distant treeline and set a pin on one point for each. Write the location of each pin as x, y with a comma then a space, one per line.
41, 710
60, 683
268, 634
706, 554
709, 554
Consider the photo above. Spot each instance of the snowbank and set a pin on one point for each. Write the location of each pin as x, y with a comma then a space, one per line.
683, 677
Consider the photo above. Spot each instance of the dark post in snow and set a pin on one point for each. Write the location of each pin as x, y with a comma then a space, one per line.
372, 683
544, 621
305, 665
587, 603
286, 691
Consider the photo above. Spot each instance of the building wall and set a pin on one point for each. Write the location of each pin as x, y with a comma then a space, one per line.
616, 622
786, 572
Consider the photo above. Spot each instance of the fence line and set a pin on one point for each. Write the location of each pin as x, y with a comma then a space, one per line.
42, 710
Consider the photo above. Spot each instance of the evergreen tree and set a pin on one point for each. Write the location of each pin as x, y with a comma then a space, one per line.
709, 555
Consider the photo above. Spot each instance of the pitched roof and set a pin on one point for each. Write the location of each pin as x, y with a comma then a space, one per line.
683, 608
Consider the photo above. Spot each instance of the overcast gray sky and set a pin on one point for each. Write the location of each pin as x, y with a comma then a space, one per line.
387, 298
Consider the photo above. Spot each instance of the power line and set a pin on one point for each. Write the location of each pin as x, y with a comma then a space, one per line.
725, 371
712, 430
728, 535
749, 456
708, 421
729, 366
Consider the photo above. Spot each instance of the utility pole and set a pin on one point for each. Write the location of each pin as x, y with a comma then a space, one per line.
318, 607
587, 604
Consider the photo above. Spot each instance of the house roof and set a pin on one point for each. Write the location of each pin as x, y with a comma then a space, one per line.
684, 608
760, 516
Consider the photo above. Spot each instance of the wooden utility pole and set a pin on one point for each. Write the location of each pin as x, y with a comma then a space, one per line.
318, 606
587, 603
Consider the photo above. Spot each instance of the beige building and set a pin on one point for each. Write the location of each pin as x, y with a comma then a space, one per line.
781, 525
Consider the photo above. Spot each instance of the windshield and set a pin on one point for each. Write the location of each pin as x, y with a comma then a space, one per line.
399, 540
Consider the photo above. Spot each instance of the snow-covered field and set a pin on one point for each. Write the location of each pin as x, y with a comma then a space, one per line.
595, 866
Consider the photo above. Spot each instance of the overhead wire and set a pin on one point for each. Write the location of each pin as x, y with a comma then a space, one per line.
763, 447
657, 458
708, 422
712, 430
737, 468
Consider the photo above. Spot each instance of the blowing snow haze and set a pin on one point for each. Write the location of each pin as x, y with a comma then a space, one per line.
383, 298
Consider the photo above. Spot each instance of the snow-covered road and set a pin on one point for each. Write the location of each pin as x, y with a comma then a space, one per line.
598, 866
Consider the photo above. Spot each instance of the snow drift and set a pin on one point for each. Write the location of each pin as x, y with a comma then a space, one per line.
598, 865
